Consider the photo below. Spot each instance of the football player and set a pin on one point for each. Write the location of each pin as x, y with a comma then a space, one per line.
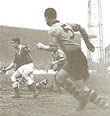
76, 67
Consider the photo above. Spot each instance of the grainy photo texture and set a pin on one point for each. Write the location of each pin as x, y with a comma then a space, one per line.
54, 58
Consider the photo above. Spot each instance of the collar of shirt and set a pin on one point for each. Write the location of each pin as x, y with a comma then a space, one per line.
19, 49
55, 21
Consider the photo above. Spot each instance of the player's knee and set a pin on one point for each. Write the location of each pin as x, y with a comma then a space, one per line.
58, 80
13, 79
30, 81
61, 75
32, 76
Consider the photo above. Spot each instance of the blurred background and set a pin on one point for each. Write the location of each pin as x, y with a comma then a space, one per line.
25, 19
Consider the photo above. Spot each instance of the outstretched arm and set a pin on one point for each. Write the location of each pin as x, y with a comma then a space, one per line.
58, 61
9, 67
46, 47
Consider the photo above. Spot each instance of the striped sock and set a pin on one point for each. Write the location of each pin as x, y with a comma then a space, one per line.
96, 99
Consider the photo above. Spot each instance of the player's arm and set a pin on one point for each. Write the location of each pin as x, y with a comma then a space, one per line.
53, 46
85, 36
61, 57
9, 67
58, 61
46, 47
86, 39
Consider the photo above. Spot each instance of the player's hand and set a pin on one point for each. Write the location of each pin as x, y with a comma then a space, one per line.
40, 45
3, 71
90, 47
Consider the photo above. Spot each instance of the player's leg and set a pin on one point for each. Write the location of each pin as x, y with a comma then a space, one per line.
79, 94
96, 98
21, 80
28, 75
15, 84
42, 84
57, 86
91, 95
31, 85
70, 87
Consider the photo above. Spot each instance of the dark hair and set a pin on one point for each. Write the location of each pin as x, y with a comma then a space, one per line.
16, 40
50, 13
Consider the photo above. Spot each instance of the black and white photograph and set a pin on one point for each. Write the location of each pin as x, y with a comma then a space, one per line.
54, 58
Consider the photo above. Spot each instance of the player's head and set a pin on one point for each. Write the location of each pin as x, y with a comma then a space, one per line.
15, 42
50, 15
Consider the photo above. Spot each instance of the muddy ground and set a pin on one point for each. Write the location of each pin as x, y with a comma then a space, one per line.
50, 103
